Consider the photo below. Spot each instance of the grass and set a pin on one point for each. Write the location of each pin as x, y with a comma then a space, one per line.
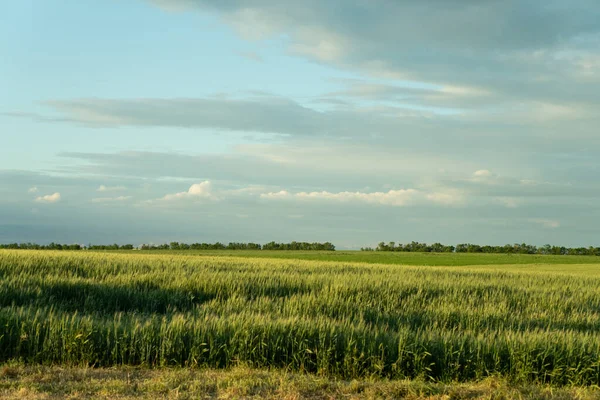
522, 324
392, 258
42, 382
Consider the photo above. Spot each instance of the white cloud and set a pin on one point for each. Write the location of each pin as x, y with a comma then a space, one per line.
283, 194
103, 188
393, 197
482, 173
110, 199
33, 189
49, 198
398, 198
202, 190
485, 176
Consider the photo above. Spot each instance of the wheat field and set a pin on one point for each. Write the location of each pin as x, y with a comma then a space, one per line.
527, 323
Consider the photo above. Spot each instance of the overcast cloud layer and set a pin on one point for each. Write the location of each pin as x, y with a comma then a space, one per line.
352, 122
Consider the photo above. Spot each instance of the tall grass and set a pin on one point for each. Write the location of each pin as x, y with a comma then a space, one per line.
396, 258
528, 324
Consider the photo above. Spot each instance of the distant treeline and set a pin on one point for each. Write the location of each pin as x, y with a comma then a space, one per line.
59, 246
241, 246
176, 246
475, 248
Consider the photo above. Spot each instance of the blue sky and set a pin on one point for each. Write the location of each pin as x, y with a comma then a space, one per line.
354, 122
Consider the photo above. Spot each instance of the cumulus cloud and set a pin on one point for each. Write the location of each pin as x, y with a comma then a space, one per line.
33, 189
397, 198
49, 198
482, 188
202, 190
254, 169
282, 194
392, 197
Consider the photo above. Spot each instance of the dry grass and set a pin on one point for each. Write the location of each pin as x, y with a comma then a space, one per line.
40, 382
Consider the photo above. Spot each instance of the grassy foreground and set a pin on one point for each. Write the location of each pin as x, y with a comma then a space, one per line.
39, 382
527, 324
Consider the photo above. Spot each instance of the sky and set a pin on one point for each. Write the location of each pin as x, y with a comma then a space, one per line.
354, 122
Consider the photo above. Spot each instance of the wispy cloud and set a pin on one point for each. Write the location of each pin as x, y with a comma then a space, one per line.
510, 62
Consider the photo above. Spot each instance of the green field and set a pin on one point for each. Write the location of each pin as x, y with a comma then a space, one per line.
396, 258
343, 315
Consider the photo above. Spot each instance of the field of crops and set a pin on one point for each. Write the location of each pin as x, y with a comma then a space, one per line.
535, 323
393, 258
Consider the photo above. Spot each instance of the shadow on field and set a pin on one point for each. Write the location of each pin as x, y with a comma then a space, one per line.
135, 296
